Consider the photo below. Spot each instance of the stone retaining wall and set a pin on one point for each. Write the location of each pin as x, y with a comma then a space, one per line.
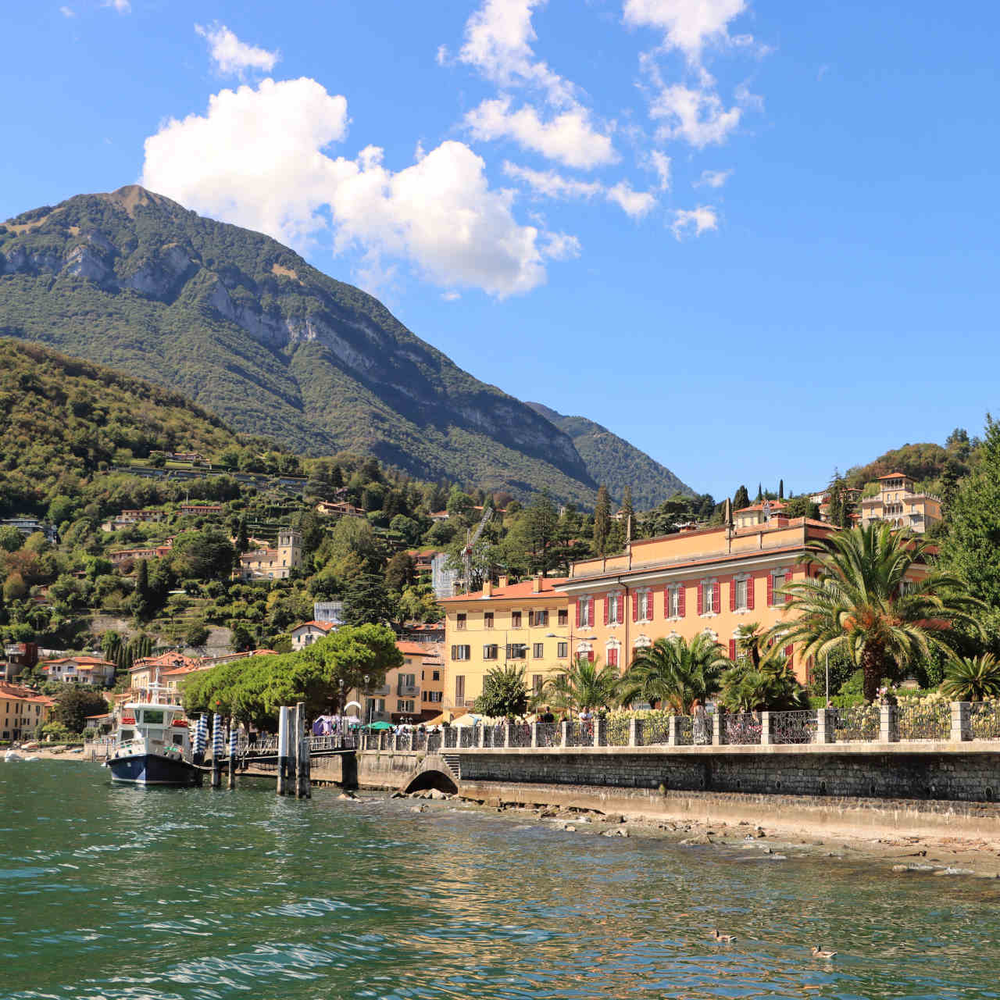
901, 774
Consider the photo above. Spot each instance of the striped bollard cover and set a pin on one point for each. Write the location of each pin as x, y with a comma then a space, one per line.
218, 736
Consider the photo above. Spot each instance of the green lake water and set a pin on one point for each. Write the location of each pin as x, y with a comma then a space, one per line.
116, 892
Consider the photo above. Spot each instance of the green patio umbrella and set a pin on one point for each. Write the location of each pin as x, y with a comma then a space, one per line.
379, 725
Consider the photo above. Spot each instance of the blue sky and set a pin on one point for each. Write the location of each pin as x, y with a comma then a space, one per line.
752, 237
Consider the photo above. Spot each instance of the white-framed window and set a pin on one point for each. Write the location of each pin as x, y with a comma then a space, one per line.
585, 607
709, 597
615, 602
644, 605
674, 601
740, 600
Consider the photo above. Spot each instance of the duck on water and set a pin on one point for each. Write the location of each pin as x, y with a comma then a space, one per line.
152, 744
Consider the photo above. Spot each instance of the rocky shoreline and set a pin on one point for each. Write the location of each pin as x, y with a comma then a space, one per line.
903, 856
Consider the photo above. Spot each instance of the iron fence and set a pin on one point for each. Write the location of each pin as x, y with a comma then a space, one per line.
434, 741
580, 733
859, 723
520, 734
923, 720
616, 732
548, 734
685, 731
793, 727
984, 720
741, 728
467, 737
450, 737
655, 730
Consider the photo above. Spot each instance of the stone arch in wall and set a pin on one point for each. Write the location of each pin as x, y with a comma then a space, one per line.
432, 778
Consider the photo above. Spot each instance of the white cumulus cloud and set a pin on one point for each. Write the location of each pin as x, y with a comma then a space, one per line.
258, 158
550, 184
233, 57
122, 6
688, 25
699, 220
660, 162
568, 137
498, 40
696, 116
67, 12
713, 178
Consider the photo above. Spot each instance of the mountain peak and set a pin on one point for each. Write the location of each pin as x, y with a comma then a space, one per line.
131, 196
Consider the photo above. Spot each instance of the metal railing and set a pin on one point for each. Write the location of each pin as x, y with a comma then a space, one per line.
466, 736
520, 734
685, 731
923, 720
548, 734
984, 720
859, 723
742, 728
616, 732
793, 727
655, 729
580, 733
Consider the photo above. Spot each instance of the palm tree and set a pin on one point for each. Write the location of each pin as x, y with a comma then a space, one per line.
582, 685
972, 678
675, 673
864, 602
749, 639
771, 687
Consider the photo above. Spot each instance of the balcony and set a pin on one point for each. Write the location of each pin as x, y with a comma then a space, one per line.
407, 691
379, 692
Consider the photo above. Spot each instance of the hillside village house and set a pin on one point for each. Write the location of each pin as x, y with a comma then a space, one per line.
273, 563
22, 712
153, 669
141, 552
127, 518
204, 509
526, 624
80, 670
338, 508
309, 632
412, 692
897, 503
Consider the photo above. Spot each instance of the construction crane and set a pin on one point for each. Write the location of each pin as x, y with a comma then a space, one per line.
470, 540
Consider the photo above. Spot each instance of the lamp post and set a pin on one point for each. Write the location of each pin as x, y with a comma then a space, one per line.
368, 702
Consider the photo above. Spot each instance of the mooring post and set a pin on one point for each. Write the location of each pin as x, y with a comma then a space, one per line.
233, 736
218, 745
198, 750
303, 755
293, 751
282, 748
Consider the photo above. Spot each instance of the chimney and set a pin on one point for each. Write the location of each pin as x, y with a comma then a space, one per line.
487, 587
501, 582
536, 584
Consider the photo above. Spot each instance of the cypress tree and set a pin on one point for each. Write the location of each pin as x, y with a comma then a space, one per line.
781, 489
760, 494
741, 499
602, 521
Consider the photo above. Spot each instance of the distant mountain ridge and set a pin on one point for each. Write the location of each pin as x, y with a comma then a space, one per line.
248, 329
613, 461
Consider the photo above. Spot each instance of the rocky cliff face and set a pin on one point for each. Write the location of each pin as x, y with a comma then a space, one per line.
252, 331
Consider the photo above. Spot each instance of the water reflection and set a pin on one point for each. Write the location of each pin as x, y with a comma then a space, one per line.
120, 893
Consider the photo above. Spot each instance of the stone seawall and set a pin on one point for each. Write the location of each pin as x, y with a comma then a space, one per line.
902, 771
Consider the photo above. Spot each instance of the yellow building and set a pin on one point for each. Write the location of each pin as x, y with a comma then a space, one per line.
524, 624
897, 503
22, 712
273, 564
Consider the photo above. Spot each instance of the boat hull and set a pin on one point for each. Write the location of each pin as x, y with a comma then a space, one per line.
153, 769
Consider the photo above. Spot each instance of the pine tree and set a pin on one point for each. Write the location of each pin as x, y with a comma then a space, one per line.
741, 499
628, 514
602, 521
336, 477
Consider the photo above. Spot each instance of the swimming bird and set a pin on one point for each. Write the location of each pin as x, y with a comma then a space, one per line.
820, 953
722, 938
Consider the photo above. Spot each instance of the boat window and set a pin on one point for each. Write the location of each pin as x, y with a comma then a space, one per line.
178, 739
152, 717
126, 734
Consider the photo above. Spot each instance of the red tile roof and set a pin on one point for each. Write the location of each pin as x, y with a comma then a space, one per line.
774, 505
416, 648
896, 475
322, 626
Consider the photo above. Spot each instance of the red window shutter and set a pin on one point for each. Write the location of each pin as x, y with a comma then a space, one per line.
732, 649
682, 602
612, 657
635, 606
701, 598
607, 607
649, 605
621, 607
770, 590
590, 612
666, 602
750, 583
577, 613
788, 580
732, 594
590, 655
717, 599
788, 651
